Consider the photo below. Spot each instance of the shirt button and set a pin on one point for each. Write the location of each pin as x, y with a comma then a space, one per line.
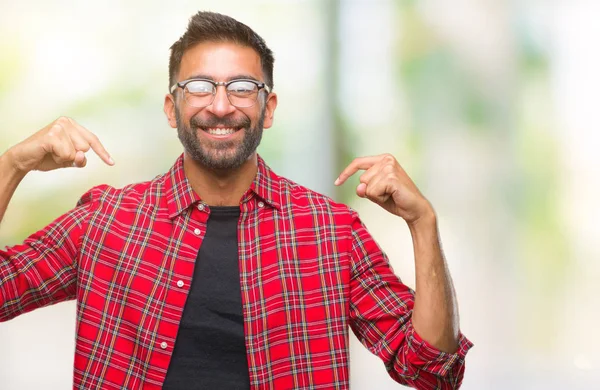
180, 283
261, 204
197, 231
201, 206
164, 345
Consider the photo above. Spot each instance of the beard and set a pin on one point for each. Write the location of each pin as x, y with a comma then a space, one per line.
220, 154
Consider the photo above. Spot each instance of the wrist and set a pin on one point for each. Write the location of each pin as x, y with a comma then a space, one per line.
9, 167
426, 220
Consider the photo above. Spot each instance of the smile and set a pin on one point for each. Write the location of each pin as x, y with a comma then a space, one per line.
220, 130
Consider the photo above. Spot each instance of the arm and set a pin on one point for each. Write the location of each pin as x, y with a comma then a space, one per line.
426, 323
10, 178
42, 270
435, 315
61, 144
382, 311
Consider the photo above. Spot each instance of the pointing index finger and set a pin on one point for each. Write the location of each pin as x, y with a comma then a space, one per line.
357, 164
101, 151
95, 143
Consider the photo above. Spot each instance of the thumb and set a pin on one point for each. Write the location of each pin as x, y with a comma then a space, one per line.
361, 190
79, 162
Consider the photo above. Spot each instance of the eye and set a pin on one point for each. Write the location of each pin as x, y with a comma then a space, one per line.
241, 88
199, 87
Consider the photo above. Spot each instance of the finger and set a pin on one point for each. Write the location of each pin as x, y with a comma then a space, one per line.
79, 142
80, 160
379, 168
378, 189
60, 145
361, 190
356, 165
94, 143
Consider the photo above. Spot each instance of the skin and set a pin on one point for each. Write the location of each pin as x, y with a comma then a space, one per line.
384, 181
222, 62
63, 144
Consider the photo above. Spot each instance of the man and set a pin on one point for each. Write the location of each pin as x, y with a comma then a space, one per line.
219, 274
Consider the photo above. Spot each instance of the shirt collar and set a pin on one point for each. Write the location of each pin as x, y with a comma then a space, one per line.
180, 195
179, 192
266, 185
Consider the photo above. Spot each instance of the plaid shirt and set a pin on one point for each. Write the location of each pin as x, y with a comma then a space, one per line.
309, 270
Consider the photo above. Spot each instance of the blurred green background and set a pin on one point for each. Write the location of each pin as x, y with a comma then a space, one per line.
490, 106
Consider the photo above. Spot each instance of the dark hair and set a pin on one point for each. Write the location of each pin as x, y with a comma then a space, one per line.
214, 27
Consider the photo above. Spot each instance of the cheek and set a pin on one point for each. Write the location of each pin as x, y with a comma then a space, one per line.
187, 113
245, 114
253, 114
253, 117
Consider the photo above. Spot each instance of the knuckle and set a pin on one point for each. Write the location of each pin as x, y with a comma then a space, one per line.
55, 129
63, 120
94, 138
388, 158
60, 159
67, 158
46, 146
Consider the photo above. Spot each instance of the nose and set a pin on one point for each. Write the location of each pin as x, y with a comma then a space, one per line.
221, 106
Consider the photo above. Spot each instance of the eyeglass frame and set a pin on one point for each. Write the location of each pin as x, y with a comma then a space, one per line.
182, 84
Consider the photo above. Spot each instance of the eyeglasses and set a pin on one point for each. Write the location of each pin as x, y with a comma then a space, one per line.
201, 92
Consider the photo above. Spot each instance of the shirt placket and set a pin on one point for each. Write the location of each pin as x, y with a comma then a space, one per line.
189, 230
252, 302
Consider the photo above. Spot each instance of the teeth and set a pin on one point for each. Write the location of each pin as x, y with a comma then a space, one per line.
220, 131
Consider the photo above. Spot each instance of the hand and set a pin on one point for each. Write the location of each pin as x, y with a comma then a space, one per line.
388, 185
63, 143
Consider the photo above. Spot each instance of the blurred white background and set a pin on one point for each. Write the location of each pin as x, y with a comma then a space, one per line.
490, 105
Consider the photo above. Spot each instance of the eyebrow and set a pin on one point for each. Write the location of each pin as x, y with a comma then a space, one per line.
236, 77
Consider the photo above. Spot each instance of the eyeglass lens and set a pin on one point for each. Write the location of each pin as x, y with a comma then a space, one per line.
201, 93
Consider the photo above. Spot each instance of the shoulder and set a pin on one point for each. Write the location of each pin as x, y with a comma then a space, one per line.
133, 194
295, 196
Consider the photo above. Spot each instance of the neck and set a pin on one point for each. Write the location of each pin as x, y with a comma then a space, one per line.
220, 187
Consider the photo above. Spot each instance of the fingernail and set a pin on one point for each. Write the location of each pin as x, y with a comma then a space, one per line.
111, 161
337, 181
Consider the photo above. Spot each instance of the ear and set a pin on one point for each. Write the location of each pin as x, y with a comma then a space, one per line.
271, 105
169, 109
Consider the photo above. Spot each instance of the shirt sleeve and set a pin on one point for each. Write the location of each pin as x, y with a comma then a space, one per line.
43, 269
380, 314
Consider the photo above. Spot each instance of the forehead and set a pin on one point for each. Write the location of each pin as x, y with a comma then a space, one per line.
220, 61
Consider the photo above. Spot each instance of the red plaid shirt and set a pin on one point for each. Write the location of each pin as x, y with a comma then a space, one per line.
309, 270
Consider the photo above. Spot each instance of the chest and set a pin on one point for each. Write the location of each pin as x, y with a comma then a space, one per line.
286, 260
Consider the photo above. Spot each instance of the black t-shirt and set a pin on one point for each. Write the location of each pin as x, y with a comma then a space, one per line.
210, 352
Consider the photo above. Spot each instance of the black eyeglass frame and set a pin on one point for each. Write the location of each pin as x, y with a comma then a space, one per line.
184, 83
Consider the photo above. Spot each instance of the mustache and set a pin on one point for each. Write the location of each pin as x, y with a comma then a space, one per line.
196, 122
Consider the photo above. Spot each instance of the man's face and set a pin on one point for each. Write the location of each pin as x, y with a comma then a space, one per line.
206, 132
